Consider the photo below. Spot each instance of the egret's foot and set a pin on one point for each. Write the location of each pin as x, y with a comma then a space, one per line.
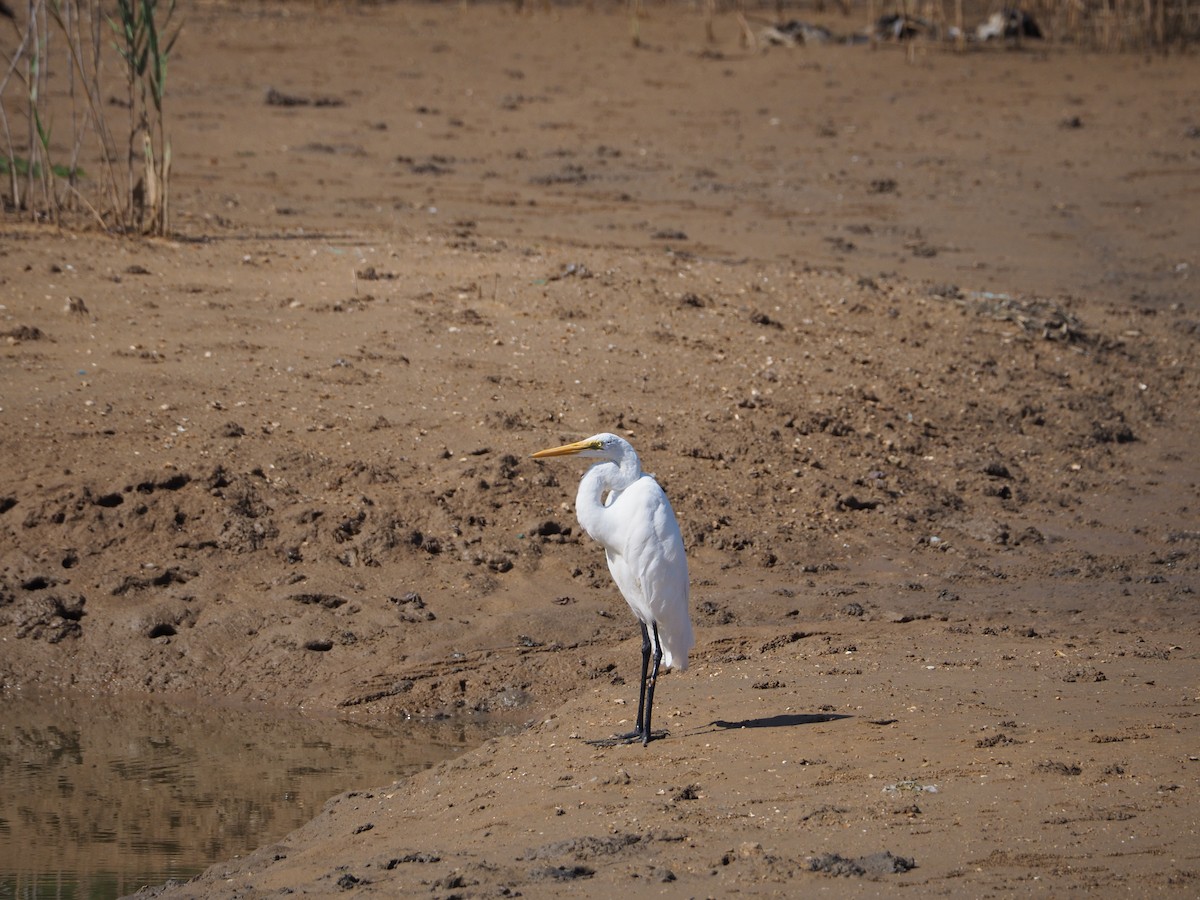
632, 737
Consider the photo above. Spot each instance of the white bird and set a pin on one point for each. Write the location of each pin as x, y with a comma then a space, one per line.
626, 512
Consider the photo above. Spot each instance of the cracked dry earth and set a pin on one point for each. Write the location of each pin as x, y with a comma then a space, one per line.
932, 448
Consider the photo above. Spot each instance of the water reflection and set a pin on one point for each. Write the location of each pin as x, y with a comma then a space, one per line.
100, 797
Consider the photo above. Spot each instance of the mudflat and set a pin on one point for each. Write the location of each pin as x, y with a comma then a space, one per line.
909, 339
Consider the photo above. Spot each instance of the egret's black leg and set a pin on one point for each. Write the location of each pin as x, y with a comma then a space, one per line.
650, 686
638, 730
642, 731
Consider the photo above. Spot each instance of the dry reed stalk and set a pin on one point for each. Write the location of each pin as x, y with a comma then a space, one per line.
747, 40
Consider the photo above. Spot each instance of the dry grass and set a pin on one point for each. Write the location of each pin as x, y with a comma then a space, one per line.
1120, 24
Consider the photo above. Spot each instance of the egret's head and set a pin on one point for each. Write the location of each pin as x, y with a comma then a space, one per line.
598, 446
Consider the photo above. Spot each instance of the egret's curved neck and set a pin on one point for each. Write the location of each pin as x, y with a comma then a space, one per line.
604, 477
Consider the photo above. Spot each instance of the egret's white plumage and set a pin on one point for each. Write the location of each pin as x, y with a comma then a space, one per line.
626, 512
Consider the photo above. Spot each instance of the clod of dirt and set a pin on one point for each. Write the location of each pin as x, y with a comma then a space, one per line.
761, 318
417, 857
162, 579
852, 503
278, 98
328, 601
562, 873
1054, 767
873, 865
783, 640
994, 740
348, 881
1112, 433
588, 847
24, 333
720, 615
411, 608
49, 617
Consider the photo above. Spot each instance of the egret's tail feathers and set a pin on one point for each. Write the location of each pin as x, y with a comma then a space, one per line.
675, 665
675, 651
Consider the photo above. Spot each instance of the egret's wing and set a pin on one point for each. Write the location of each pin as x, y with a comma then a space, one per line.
647, 561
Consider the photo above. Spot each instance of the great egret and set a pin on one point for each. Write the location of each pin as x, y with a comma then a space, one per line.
627, 513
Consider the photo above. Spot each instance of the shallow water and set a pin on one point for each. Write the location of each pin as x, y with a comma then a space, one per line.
101, 797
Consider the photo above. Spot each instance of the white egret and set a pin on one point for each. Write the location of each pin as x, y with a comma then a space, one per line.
627, 513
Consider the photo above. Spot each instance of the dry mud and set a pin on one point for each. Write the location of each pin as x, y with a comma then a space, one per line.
909, 339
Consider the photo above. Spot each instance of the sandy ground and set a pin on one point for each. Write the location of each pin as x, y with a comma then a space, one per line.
909, 339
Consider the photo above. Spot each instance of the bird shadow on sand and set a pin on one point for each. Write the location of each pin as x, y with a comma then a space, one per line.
783, 720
